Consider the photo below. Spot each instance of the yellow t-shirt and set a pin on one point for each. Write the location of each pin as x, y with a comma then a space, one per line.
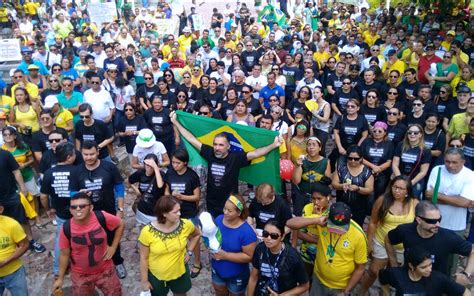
230, 44
464, 57
6, 104
29, 118
31, 8
457, 125
350, 249
185, 41
321, 57
369, 38
457, 80
11, 233
63, 118
399, 66
297, 149
31, 88
308, 250
167, 250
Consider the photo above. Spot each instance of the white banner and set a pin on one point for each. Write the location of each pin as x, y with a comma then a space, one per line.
102, 12
167, 26
198, 22
10, 50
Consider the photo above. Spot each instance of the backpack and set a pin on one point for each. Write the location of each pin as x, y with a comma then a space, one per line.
100, 217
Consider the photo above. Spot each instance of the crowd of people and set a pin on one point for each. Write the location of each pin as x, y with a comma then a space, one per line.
374, 107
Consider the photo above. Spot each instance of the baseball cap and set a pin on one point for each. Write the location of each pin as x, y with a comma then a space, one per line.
429, 45
221, 63
145, 138
49, 101
26, 49
33, 67
463, 89
339, 218
338, 27
391, 52
451, 32
435, 26
112, 67
186, 29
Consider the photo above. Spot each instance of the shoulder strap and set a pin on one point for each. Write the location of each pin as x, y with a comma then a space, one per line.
67, 229
101, 218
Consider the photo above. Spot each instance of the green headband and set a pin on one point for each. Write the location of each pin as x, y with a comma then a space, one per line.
236, 202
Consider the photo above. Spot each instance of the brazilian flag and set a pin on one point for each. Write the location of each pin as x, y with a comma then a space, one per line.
242, 138
272, 15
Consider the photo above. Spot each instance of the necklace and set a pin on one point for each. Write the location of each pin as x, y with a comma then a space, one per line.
332, 248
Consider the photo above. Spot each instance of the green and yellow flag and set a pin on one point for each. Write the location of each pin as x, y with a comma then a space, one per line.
242, 138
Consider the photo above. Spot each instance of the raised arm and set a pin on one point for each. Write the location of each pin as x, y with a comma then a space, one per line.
264, 150
185, 133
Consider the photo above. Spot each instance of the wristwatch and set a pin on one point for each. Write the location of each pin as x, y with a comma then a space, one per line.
120, 209
190, 253
468, 275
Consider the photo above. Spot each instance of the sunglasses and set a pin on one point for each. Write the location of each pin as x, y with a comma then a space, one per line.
266, 234
245, 92
392, 93
128, 109
181, 96
203, 113
431, 221
168, 75
455, 146
442, 91
276, 69
53, 80
95, 82
393, 76
67, 85
75, 207
54, 140
354, 158
85, 116
351, 106
56, 70
148, 78
18, 77
417, 104
411, 133
392, 113
346, 83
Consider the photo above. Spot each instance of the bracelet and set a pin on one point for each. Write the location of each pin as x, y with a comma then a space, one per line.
468, 275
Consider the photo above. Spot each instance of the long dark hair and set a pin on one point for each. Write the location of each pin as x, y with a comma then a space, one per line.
388, 198
19, 143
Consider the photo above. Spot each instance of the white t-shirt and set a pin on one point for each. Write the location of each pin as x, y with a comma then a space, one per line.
158, 149
462, 184
101, 103
281, 128
259, 81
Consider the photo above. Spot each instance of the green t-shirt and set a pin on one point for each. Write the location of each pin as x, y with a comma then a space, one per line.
312, 172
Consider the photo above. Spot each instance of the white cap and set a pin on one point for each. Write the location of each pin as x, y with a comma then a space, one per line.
145, 138
50, 101
186, 29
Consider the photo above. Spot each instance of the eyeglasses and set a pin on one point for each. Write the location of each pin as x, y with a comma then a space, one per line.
392, 113
308, 72
411, 133
54, 140
392, 93
349, 57
417, 104
272, 235
85, 116
95, 82
455, 146
351, 106
431, 221
195, 70
148, 78
56, 70
399, 188
354, 158
276, 69
75, 207
167, 75
203, 113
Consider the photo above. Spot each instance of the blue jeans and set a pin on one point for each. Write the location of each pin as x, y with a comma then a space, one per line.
56, 245
418, 189
15, 283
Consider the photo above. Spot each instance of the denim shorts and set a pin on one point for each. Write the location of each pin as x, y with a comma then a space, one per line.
15, 282
235, 285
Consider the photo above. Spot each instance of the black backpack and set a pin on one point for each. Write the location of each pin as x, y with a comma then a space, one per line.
100, 217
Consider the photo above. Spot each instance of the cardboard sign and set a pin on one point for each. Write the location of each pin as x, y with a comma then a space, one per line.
100, 13
10, 50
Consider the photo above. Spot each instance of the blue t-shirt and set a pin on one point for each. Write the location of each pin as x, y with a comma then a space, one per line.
233, 239
267, 91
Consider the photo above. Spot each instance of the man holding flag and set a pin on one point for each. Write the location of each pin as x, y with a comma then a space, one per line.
224, 165
452, 186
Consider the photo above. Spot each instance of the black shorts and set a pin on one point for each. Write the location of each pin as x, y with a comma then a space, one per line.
12, 208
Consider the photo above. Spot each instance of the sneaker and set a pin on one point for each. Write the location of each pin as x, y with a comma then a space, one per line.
36, 246
121, 271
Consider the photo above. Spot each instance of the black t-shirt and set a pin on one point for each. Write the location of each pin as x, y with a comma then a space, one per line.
281, 272
57, 184
440, 245
396, 133
412, 159
254, 107
335, 81
340, 99
159, 122
294, 106
469, 149
363, 88
136, 124
168, 99
48, 92
227, 109
350, 131
407, 89
373, 114
191, 91
436, 284
443, 106
377, 153
249, 58
8, 164
100, 182
278, 210
436, 140
149, 190
453, 109
184, 184
411, 119
222, 179
146, 92
97, 132
292, 74
213, 99
40, 141
49, 160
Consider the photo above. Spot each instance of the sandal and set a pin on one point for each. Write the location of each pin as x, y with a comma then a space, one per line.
195, 274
